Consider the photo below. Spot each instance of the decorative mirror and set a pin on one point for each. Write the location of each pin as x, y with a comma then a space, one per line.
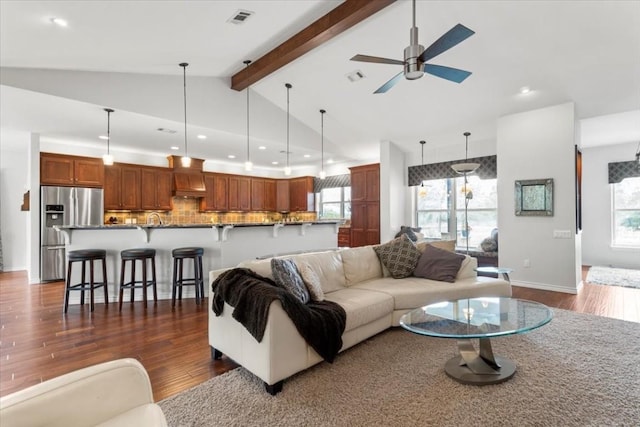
534, 197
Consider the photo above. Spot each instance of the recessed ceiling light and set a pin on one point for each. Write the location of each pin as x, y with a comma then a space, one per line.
231, 156
103, 137
274, 163
525, 90
307, 155
262, 147
59, 22
330, 161
202, 137
175, 148
166, 130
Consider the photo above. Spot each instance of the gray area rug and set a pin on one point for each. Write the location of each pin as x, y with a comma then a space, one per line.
579, 370
614, 276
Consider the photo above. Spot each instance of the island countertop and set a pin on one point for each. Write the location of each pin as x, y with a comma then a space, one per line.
209, 225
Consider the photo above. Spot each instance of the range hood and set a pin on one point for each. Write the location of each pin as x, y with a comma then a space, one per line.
187, 182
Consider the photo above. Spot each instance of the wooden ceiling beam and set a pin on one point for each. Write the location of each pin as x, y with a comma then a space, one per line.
340, 19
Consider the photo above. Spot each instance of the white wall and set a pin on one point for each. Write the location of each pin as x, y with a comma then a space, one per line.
596, 207
535, 145
393, 190
13, 184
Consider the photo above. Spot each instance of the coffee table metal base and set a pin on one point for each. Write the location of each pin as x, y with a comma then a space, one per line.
479, 367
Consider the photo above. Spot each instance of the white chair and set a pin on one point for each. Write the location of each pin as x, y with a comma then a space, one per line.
116, 393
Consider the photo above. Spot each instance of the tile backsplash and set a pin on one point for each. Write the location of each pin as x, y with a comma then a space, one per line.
187, 211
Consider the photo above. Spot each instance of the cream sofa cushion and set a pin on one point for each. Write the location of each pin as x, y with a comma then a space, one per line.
360, 264
362, 306
260, 266
468, 268
327, 266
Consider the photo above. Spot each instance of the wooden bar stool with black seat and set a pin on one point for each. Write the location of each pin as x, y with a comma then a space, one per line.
142, 255
86, 256
179, 255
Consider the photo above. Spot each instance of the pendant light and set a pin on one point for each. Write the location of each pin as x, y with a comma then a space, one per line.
323, 174
186, 160
107, 159
423, 190
466, 167
638, 157
287, 169
248, 165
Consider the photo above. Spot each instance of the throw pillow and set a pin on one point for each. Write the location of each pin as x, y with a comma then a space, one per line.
438, 264
399, 256
409, 231
311, 281
447, 245
489, 245
285, 274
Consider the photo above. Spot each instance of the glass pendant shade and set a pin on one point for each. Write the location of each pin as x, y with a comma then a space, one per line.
323, 174
466, 167
107, 159
248, 166
287, 170
185, 161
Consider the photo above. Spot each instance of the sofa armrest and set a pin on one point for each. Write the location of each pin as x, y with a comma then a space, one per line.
88, 396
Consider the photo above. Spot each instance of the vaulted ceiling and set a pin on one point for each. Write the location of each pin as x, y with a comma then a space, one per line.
587, 52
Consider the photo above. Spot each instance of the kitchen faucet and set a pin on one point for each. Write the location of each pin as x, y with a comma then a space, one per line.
150, 219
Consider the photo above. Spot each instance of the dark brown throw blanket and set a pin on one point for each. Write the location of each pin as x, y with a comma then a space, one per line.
320, 323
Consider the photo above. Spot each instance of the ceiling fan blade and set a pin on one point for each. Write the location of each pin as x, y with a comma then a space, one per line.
453, 74
448, 40
376, 59
388, 85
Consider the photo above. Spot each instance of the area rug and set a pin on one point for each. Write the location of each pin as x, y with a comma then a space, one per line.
579, 370
614, 276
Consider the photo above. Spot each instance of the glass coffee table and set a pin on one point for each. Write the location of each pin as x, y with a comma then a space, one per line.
481, 318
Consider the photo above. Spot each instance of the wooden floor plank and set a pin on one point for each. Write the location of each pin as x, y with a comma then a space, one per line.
39, 342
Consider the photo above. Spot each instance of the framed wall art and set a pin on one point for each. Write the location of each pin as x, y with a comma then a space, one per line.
534, 197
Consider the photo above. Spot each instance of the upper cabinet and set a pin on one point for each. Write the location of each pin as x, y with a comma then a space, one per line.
216, 197
63, 170
365, 183
122, 187
263, 194
239, 195
301, 195
155, 185
283, 201
365, 205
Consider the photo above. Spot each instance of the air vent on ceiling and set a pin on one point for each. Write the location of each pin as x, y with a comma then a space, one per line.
165, 130
240, 16
355, 76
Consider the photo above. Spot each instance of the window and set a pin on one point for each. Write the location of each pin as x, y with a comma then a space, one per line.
334, 203
439, 214
626, 213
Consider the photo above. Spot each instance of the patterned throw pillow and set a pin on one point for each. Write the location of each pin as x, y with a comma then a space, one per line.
311, 280
285, 273
438, 264
447, 245
399, 256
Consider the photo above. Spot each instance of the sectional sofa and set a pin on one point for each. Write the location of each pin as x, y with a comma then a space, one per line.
355, 279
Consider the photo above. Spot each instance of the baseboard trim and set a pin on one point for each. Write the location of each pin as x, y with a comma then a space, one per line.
547, 287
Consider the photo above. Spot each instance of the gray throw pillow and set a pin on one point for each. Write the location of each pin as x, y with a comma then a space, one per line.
409, 232
285, 274
489, 245
399, 256
438, 264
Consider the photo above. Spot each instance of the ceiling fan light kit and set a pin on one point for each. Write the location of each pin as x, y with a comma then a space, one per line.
416, 57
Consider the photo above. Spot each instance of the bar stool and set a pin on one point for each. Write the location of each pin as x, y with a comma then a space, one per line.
179, 255
142, 255
86, 256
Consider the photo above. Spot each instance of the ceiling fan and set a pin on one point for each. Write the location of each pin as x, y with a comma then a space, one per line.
416, 57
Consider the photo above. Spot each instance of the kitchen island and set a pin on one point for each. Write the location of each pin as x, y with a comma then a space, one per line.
225, 245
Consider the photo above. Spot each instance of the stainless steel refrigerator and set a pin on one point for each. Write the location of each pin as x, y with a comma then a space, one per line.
64, 206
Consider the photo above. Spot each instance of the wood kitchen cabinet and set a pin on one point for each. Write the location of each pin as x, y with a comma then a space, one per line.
263, 194
215, 198
239, 195
365, 205
344, 237
64, 170
301, 195
155, 186
122, 187
283, 201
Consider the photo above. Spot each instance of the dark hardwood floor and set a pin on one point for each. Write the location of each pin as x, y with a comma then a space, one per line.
38, 342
